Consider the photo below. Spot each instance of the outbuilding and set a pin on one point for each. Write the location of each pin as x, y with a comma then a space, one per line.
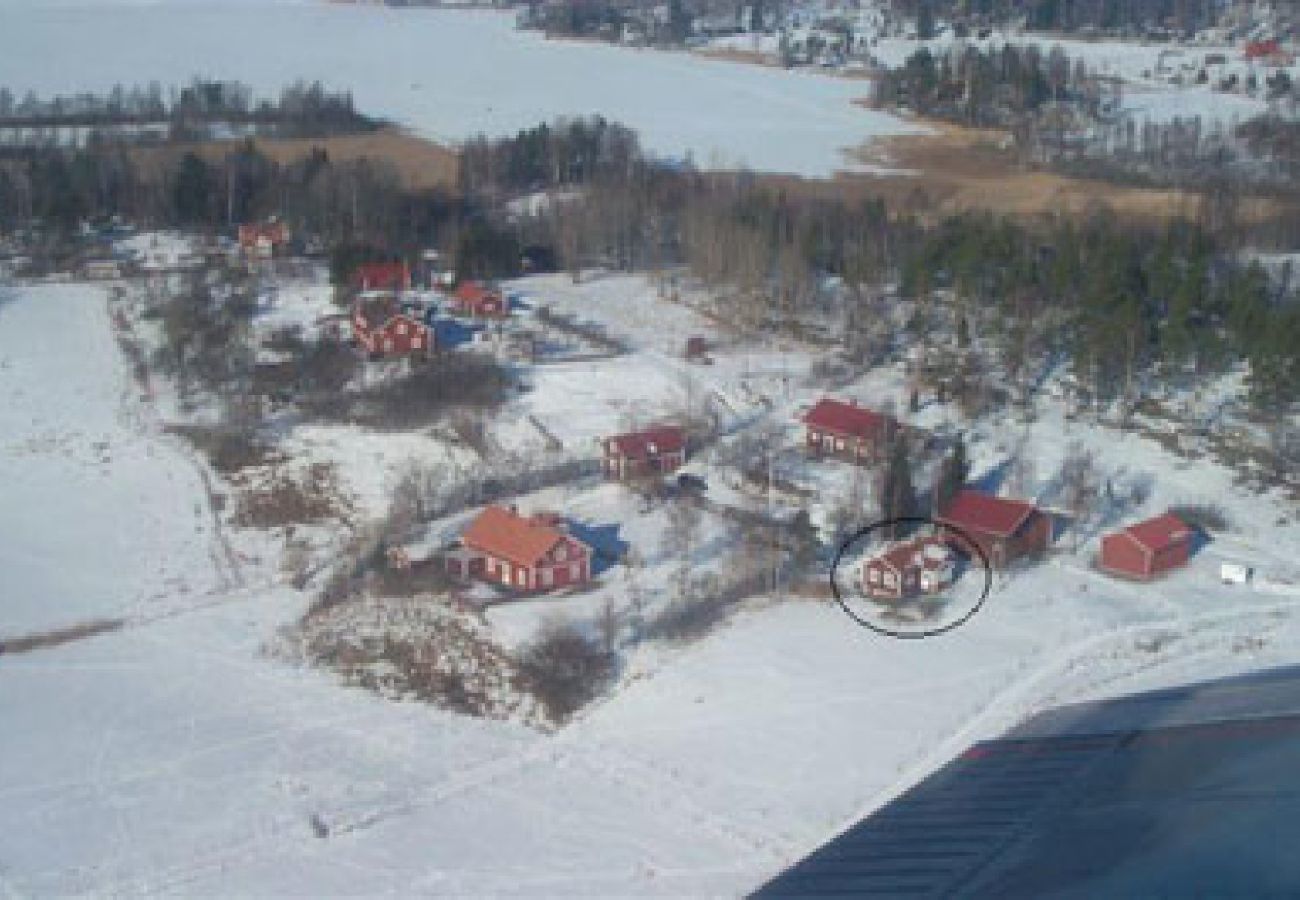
1148, 549
382, 276
1005, 529
845, 429
651, 451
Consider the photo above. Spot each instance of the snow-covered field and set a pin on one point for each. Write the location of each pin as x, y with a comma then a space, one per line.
101, 516
448, 74
174, 757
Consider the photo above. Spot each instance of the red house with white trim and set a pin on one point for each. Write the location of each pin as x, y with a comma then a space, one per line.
524, 553
473, 298
383, 329
1147, 549
844, 429
925, 565
652, 451
1005, 529
382, 276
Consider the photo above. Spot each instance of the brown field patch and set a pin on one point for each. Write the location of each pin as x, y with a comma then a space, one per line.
420, 163
954, 169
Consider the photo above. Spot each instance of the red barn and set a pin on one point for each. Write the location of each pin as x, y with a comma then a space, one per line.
654, 451
1148, 549
264, 239
1004, 529
382, 276
473, 298
923, 566
848, 430
381, 328
527, 553
1262, 49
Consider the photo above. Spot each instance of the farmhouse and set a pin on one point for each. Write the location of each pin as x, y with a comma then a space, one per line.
1004, 529
527, 553
382, 328
837, 428
473, 298
653, 451
382, 276
263, 239
1147, 549
925, 565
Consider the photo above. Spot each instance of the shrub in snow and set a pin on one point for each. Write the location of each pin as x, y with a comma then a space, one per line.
565, 670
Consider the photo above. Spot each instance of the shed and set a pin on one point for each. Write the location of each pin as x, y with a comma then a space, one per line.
1147, 549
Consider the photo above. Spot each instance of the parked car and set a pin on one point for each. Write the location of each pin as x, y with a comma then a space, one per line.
693, 484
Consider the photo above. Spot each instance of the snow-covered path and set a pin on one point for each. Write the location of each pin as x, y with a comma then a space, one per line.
101, 515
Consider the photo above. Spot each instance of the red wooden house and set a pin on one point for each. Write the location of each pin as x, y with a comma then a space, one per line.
925, 565
1262, 49
1004, 529
653, 451
382, 276
263, 239
526, 553
837, 428
383, 329
473, 298
1147, 549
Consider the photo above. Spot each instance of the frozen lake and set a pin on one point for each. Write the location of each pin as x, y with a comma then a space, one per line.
448, 74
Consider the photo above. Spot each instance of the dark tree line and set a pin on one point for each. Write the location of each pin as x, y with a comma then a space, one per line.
999, 86
1132, 17
1126, 307
302, 110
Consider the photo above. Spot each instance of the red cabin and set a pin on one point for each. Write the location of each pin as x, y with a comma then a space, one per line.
473, 298
263, 239
383, 329
526, 553
926, 565
382, 276
1148, 549
1262, 49
848, 430
1006, 530
653, 451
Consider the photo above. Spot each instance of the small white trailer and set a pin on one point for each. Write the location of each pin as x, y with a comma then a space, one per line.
1234, 573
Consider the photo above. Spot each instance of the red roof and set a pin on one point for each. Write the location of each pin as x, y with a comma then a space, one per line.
846, 418
506, 534
987, 514
382, 273
905, 555
473, 292
1261, 48
1159, 533
651, 441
